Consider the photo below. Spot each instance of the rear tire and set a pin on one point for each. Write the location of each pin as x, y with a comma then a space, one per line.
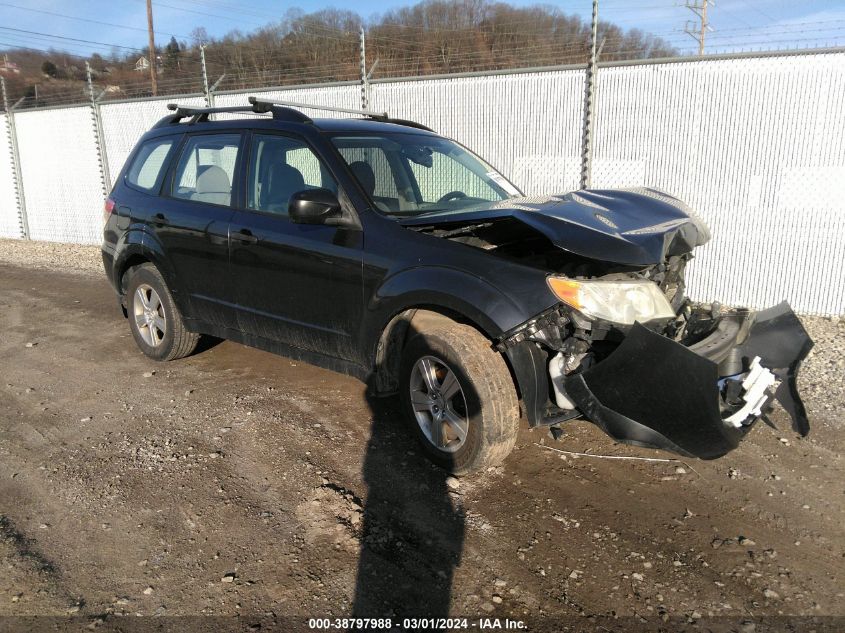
154, 319
459, 397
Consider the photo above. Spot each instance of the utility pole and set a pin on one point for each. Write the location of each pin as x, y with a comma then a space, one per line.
365, 88
153, 78
589, 105
699, 31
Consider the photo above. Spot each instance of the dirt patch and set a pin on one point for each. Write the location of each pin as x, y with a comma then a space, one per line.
238, 484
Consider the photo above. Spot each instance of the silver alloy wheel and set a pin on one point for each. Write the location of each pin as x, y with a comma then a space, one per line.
149, 315
439, 404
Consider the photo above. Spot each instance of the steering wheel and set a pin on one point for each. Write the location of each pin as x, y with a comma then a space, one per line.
452, 195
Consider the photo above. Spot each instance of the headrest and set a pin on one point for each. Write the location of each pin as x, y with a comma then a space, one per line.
365, 175
283, 176
213, 180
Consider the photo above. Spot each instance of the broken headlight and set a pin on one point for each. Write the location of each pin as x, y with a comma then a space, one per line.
621, 302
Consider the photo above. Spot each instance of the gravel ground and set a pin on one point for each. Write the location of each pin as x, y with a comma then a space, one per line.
74, 258
245, 486
822, 379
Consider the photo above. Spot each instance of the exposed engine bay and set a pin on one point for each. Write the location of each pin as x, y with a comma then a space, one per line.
513, 240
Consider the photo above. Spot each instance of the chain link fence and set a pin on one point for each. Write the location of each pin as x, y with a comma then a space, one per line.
755, 144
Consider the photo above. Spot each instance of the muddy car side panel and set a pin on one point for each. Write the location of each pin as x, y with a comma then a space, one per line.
404, 269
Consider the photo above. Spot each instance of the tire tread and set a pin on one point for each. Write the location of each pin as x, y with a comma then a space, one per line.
184, 342
494, 384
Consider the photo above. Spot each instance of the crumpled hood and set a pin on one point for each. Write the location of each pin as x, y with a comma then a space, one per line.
637, 227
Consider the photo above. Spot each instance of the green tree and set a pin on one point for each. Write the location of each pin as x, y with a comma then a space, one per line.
172, 55
97, 62
49, 68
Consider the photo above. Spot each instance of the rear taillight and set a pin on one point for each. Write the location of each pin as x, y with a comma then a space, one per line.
108, 207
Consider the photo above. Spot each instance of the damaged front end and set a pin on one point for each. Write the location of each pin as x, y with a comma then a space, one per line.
695, 386
624, 347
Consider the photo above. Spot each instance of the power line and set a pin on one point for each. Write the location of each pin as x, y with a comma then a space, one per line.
88, 20
70, 39
21, 47
236, 9
751, 5
205, 13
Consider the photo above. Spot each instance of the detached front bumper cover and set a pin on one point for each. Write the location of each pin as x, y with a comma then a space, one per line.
652, 391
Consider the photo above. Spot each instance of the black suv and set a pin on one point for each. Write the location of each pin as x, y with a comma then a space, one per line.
377, 248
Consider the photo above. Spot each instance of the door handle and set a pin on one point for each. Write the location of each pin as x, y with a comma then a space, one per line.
160, 219
245, 236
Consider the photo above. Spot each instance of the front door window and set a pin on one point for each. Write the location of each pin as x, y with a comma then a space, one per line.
280, 167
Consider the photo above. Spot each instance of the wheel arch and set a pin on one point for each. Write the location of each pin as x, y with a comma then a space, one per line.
387, 356
135, 254
441, 292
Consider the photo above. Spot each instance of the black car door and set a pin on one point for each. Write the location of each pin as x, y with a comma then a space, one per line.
192, 223
296, 284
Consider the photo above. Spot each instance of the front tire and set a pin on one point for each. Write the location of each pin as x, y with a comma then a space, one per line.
459, 397
156, 324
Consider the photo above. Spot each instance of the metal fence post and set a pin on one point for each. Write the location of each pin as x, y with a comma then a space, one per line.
365, 81
12, 136
214, 86
99, 138
589, 105
209, 97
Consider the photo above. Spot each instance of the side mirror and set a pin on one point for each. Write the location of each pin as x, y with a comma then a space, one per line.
314, 206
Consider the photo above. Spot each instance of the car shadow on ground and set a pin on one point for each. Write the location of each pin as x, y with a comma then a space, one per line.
413, 525
206, 343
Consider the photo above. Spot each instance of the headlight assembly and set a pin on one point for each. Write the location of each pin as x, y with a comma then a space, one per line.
621, 302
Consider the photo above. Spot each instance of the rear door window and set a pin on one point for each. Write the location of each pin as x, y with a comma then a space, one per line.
206, 169
147, 168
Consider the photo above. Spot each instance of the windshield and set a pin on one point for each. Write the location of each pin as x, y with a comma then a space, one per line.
414, 174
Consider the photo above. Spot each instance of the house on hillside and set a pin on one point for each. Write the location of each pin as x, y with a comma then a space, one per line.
7, 67
143, 65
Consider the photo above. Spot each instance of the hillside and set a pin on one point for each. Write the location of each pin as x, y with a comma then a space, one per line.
432, 37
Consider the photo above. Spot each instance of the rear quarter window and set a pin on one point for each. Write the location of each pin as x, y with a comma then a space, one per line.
147, 168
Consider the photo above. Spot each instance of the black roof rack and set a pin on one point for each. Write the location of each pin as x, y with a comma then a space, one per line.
281, 111
378, 116
200, 115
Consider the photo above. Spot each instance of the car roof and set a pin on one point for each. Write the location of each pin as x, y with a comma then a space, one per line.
366, 125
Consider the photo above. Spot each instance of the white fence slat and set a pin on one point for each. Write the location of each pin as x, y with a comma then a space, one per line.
60, 174
124, 123
528, 126
332, 96
749, 144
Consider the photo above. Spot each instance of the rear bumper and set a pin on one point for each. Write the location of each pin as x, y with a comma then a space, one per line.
652, 391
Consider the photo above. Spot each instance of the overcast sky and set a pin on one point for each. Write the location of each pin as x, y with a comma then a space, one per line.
736, 24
